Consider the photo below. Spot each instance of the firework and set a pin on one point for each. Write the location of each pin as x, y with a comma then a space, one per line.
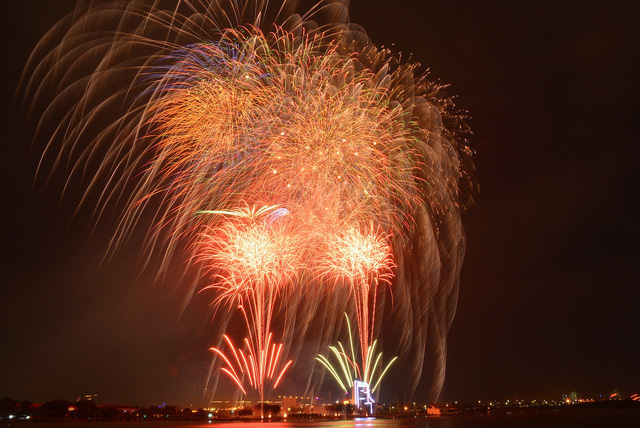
259, 365
293, 161
350, 371
251, 259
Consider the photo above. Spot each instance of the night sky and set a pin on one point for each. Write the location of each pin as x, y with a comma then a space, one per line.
549, 292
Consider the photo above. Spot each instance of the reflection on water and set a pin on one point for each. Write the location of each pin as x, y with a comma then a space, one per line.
348, 423
596, 418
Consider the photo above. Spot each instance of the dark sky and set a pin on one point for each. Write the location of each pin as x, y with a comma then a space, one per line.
549, 292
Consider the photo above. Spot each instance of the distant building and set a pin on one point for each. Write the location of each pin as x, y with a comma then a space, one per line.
289, 402
441, 409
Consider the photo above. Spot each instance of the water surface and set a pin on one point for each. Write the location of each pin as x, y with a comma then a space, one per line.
596, 418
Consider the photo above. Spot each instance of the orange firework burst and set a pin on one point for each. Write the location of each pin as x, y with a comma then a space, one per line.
250, 255
233, 122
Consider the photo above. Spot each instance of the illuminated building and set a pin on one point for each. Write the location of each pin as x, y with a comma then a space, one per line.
362, 396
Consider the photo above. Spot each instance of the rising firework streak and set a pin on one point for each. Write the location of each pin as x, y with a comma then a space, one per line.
369, 371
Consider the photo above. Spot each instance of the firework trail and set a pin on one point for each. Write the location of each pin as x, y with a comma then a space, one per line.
258, 367
349, 370
190, 114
